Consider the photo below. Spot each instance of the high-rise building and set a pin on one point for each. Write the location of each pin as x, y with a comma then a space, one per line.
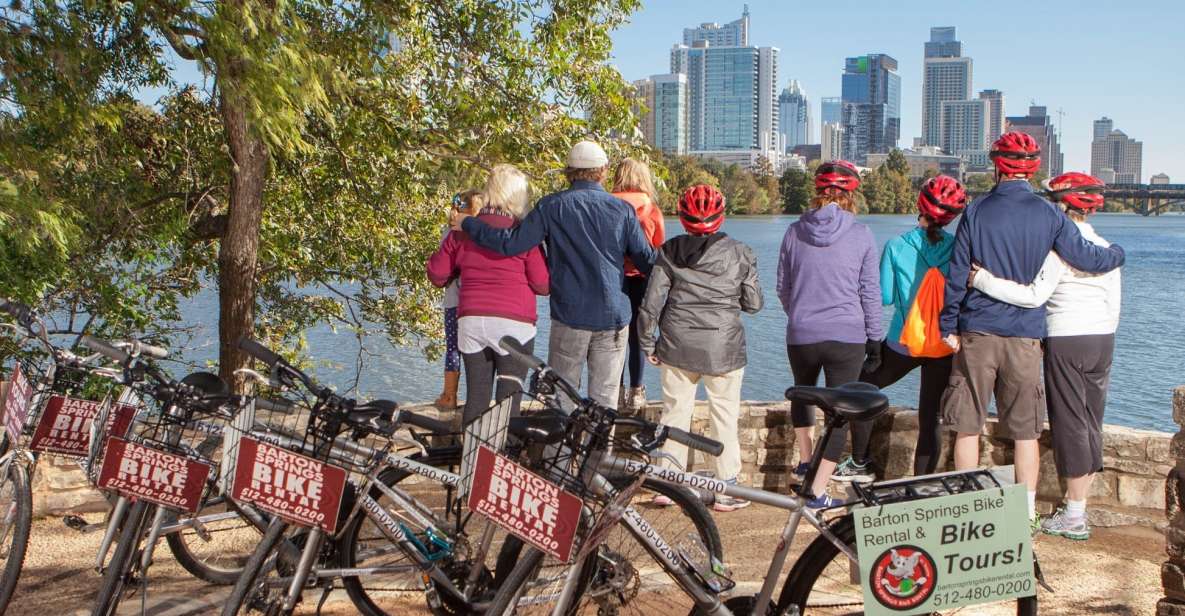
871, 111
664, 123
1102, 127
830, 108
995, 99
794, 116
965, 126
732, 34
946, 76
1160, 178
644, 108
1039, 126
1118, 152
832, 146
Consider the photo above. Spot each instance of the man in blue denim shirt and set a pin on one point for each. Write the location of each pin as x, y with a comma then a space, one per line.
588, 234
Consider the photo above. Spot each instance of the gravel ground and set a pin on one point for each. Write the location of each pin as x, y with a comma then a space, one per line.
1116, 572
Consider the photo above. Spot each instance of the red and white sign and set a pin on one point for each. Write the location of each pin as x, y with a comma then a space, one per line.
65, 425
525, 504
301, 490
16, 404
140, 472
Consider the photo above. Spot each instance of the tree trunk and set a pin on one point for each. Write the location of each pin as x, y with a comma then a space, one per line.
238, 252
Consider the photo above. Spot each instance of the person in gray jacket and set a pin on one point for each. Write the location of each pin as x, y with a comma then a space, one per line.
699, 285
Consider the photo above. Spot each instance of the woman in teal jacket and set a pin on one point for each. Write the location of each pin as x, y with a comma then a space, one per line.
904, 263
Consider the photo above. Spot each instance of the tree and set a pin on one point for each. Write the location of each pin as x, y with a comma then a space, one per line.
896, 162
979, 183
742, 193
317, 188
763, 173
796, 187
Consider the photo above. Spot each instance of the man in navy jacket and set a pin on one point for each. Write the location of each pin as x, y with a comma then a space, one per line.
998, 345
588, 232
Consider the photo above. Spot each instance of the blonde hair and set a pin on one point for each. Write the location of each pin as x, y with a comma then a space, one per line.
632, 175
844, 199
508, 190
474, 200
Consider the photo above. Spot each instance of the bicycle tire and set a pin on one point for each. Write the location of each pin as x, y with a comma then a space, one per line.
21, 512
204, 559
595, 570
367, 601
814, 561
115, 575
261, 559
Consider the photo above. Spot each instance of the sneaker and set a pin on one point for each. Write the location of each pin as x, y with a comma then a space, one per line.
725, 503
637, 398
1061, 525
801, 469
661, 500
849, 471
823, 501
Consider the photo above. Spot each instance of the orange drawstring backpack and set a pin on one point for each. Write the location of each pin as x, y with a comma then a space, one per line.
920, 334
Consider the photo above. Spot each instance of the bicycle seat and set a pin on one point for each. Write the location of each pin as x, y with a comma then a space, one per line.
547, 427
852, 402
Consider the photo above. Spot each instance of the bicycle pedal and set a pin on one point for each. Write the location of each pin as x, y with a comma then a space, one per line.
75, 522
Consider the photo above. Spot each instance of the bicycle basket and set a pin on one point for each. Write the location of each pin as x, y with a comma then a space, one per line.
51, 410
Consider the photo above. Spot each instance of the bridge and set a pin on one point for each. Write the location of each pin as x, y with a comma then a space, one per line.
1143, 199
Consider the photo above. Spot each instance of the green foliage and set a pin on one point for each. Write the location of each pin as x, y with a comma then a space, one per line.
888, 189
896, 162
796, 188
979, 183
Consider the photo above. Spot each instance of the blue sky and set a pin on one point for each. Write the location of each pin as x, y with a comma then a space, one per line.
1089, 58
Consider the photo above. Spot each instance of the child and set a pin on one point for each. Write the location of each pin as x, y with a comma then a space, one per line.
700, 284
468, 201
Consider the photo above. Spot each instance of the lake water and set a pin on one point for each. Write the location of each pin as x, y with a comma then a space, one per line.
1149, 353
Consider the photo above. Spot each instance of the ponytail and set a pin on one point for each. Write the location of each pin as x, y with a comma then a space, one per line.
933, 232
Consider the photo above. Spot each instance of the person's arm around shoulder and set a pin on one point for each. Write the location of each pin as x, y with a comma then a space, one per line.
637, 247
538, 277
752, 300
956, 281
1080, 253
1031, 295
530, 232
657, 287
442, 264
870, 289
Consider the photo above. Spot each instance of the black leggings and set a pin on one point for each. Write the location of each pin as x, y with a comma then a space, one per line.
840, 363
635, 288
935, 374
481, 369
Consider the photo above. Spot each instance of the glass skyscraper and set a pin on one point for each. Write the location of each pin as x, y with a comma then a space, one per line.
946, 76
871, 113
794, 116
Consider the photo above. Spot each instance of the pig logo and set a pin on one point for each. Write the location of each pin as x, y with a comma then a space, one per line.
903, 577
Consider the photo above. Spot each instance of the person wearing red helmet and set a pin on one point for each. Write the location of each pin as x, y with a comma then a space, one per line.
906, 264
1082, 313
1008, 232
829, 289
700, 284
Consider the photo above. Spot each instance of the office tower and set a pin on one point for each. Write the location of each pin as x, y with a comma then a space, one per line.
965, 126
732, 34
1102, 127
871, 108
644, 108
1039, 126
1118, 152
664, 123
946, 76
794, 116
732, 98
832, 146
995, 112
1159, 179
829, 111
768, 135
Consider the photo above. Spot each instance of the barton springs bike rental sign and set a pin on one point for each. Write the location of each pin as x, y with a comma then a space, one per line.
945, 552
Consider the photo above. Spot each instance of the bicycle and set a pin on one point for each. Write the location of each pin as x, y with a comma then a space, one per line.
390, 541
825, 566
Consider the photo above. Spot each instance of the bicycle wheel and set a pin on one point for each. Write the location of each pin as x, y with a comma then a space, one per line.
399, 586
119, 568
620, 576
16, 507
216, 551
254, 591
824, 581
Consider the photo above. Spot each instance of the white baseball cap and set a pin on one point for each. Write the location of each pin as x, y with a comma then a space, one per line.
587, 155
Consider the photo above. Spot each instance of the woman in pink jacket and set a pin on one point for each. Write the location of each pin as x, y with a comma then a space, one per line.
497, 294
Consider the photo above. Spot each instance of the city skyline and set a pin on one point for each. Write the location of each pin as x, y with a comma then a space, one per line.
1133, 95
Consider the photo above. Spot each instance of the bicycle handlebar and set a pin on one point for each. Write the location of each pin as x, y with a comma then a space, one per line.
434, 426
700, 443
260, 352
516, 350
153, 351
104, 348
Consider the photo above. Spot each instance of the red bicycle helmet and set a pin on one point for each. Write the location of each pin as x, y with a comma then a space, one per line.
941, 199
701, 209
1076, 191
837, 174
1016, 153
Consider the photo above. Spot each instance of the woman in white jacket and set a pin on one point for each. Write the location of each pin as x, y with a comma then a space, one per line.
1082, 313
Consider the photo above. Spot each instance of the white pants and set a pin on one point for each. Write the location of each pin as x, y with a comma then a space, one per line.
724, 402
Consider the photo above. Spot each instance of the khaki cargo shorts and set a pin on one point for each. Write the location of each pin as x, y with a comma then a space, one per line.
1009, 368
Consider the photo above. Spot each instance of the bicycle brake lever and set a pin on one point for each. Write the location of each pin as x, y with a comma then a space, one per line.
258, 377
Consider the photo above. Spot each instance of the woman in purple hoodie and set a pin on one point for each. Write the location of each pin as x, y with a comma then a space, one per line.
828, 282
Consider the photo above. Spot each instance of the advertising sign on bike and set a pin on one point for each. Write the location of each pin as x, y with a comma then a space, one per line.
140, 472
944, 553
301, 490
16, 404
65, 425
525, 504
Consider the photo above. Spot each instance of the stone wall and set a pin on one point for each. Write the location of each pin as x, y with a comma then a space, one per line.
1129, 491
1172, 572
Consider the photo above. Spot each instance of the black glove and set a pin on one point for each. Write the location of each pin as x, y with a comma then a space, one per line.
872, 356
